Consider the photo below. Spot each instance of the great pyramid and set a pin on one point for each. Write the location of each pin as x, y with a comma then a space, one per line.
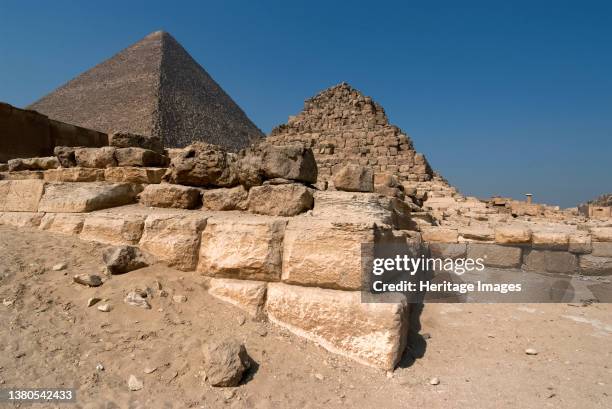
153, 87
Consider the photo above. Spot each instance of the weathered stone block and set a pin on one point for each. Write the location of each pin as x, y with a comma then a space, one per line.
139, 157
134, 175
494, 255
247, 248
20, 195
354, 178
75, 174
280, 200
95, 157
324, 253
113, 228
512, 235
43, 163
85, 197
447, 250
22, 175
592, 265
440, 235
247, 295
602, 249
550, 261
168, 195
173, 239
131, 140
602, 234
234, 198
64, 223
354, 207
476, 233
373, 334
21, 219
580, 244
550, 240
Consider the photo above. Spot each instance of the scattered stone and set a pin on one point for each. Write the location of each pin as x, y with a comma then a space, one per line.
434, 381
93, 301
241, 320
123, 259
262, 332
105, 308
179, 299
91, 280
59, 267
136, 299
531, 351
99, 367
225, 362
135, 384
319, 376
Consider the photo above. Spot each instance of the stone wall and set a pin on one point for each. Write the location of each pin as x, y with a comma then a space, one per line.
343, 126
25, 133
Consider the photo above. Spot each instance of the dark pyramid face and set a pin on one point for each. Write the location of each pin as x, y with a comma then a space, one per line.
153, 87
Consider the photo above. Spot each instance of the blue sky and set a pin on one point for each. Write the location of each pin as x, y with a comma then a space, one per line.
502, 97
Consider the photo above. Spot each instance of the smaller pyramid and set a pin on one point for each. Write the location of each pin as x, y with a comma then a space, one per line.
153, 87
343, 126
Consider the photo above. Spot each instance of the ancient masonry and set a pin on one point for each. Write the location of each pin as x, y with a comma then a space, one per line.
343, 126
156, 88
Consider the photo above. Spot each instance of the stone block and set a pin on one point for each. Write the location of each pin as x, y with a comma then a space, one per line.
373, 334
85, 197
602, 249
76, 174
134, 175
601, 234
173, 239
579, 243
247, 295
592, 265
325, 253
494, 255
22, 175
550, 261
280, 200
234, 198
476, 233
512, 235
43, 163
448, 250
550, 240
20, 195
95, 157
21, 219
139, 157
168, 195
113, 229
354, 178
247, 248
131, 140
64, 223
440, 235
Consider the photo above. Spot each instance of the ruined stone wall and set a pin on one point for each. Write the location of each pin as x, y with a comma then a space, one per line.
343, 126
25, 133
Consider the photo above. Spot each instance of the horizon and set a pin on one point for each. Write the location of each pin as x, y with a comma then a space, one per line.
536, 121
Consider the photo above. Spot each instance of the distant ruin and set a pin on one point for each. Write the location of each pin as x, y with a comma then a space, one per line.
153, 87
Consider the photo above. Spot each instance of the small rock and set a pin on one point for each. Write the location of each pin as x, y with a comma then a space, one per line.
93, 301
149, 369
163, 293
319, 376
225, 362
134, 383
434, 381
158, 285
99, 367
531, 351
90, 280
105, 308
262, 332
241, 320
7, 303
123, 259
136, 299
228, 394
179, 299
59, 267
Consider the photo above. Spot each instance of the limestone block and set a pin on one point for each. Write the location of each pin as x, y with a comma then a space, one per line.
21, 219
580, 243
476, 233
131, 140
353, 207
22, 175
440, 235
42, 163
601, 234
512, 235
76, 174
247, 248
373, 334
20, 195
65, 155
95, 157
447, 250
233, 198
280, 200
113, 228
168, 195
550, 261
550, 240
247, 295
592, 265
132, 174
64, 223
354, 178
173, 239
85, 197
602, 249
494, 255
139, 157
324, 253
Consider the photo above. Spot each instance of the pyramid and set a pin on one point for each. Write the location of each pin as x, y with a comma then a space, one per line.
153, 87
344, 126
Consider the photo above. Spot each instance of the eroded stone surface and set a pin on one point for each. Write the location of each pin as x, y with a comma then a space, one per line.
85, 197
280, 200
113, 229
169, 195
245, 294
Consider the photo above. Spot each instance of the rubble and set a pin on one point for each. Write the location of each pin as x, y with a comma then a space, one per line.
225, 362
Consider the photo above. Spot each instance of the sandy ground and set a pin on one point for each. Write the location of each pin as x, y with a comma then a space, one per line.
50, 338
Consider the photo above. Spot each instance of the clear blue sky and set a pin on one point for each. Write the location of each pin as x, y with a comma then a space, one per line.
502, 97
